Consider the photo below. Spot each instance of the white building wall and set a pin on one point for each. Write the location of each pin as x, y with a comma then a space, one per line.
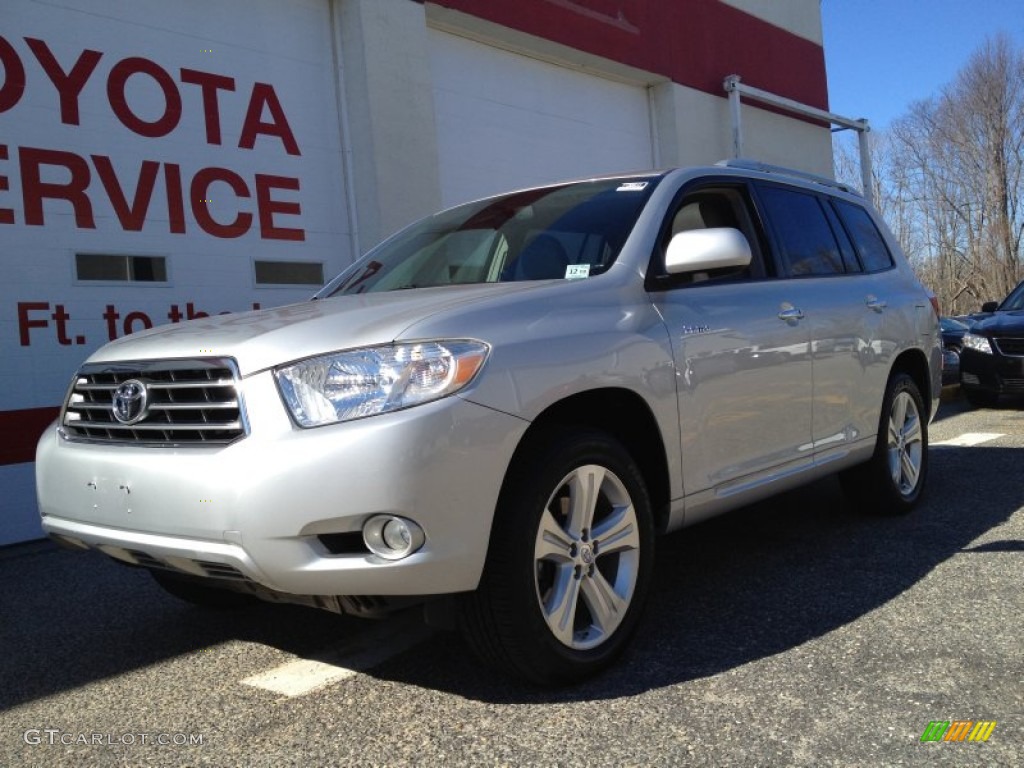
78, 175
506, 120
801, 17
693, 128
388, 111
485, 73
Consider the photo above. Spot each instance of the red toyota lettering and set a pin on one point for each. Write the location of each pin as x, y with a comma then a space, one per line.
68, 84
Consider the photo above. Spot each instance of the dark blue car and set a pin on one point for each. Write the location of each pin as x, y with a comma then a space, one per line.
952, 342
992, 358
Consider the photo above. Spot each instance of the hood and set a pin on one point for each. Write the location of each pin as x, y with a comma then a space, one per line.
1000, 323
269, 337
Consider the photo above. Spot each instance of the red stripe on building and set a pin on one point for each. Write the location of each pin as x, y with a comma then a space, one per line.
696, 43
20, 431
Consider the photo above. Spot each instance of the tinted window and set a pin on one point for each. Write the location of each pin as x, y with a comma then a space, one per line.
1015, 300
850, 260
868, 241
805, 240
710, 208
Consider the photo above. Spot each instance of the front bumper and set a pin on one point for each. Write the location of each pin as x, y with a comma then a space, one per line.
254, 510
995, 373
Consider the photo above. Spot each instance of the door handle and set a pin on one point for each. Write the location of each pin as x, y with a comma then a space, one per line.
791, 313
873, 302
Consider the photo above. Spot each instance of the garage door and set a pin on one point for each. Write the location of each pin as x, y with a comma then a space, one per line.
505, 120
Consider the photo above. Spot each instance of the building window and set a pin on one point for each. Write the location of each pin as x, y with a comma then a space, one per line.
289, 273
110, 267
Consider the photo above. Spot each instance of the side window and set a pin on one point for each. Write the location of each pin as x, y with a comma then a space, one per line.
806, 243
709, 208
870, 245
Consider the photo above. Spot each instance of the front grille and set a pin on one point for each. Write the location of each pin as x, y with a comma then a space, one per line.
187, 402
1013, 385
147, 560
222, 571
210, 569
1010, 346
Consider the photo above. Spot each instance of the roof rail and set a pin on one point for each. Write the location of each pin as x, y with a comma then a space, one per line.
747, 164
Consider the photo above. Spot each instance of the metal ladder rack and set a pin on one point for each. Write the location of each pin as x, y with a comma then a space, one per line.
737, 90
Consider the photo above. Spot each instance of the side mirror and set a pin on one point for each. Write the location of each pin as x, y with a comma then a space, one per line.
702, 250
989, 306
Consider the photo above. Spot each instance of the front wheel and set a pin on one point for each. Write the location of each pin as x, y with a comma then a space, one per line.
569, 561
891, 482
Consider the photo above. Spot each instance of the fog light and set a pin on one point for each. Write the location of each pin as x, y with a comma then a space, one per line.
392, 537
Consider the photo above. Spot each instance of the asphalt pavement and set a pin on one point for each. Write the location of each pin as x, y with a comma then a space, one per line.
797, 632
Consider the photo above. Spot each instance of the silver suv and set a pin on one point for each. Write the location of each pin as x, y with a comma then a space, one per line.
496, 410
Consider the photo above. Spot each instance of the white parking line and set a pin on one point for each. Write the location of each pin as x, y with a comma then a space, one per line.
969, 439
298, 677
369, 649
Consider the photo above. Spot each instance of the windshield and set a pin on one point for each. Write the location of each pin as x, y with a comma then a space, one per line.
1015, 300
563, 232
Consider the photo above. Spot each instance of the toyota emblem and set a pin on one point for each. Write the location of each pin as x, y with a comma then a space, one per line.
130, 400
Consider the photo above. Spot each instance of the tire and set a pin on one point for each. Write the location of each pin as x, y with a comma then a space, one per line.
979, 398
567, 572
199, 593
892, 480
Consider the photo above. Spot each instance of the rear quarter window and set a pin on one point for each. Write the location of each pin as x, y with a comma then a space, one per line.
867, 240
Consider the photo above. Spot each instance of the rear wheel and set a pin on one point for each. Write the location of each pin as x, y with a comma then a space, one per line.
891, 482
569, 561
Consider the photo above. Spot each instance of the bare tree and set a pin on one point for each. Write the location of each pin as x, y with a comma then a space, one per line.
949, 178
891, 189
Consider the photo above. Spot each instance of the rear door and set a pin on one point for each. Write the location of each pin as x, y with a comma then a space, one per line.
845, 298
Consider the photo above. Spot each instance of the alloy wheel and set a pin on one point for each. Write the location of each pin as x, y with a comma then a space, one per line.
587, 557
906, 443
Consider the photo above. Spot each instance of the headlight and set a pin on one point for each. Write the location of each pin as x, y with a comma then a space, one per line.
365, 382
977, 343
